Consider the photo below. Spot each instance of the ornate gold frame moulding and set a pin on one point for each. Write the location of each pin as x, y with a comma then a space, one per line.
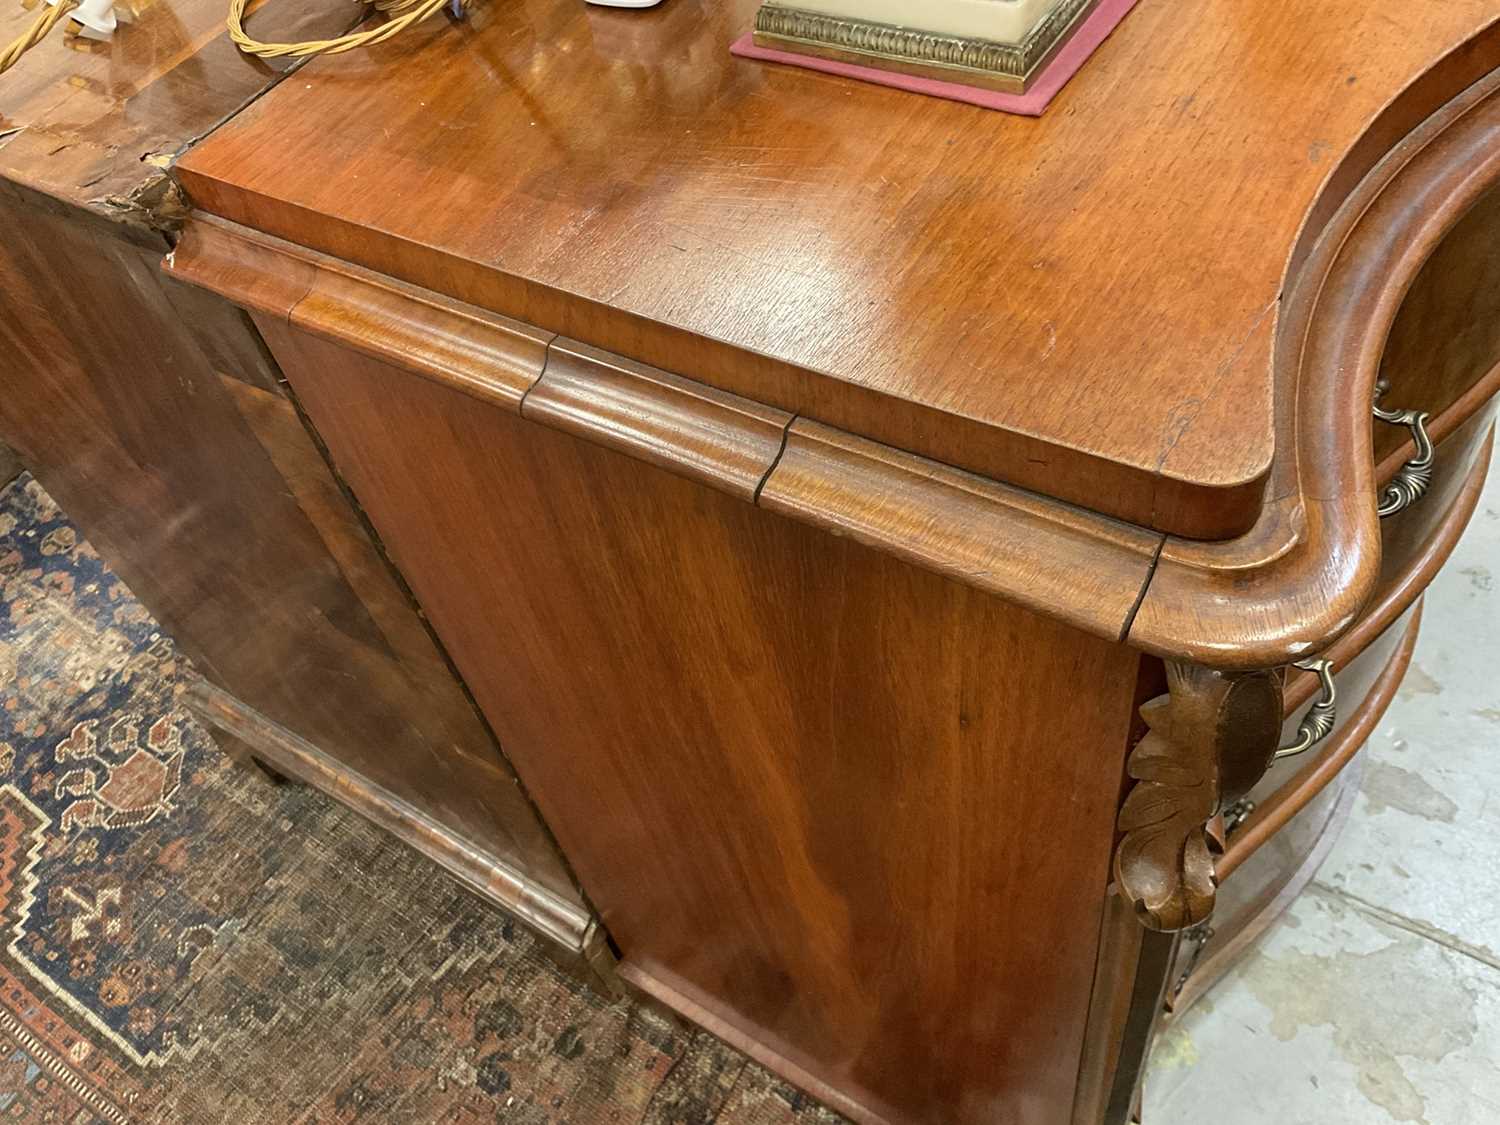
1009, 67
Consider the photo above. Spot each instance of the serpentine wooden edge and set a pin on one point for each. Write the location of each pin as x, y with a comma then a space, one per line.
1286, 589
1300, 577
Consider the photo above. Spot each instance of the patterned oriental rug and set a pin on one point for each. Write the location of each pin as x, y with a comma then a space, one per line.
183, 942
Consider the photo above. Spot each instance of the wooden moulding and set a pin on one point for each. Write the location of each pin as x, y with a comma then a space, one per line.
1049, 557
710, 436
289, 754
1302, 575
1277, 594
1112, 1002
1403, 588
1069, 564
487, 356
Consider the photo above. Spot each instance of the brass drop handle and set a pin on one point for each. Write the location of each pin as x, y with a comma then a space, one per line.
1318, 723
1411, 481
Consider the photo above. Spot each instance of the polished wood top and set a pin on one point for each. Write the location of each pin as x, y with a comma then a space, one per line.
1084, 304
95, 125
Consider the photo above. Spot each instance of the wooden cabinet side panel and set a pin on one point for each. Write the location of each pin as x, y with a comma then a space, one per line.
201, 487
860, 812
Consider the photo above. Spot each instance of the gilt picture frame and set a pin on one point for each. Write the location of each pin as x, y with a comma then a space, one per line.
993, 44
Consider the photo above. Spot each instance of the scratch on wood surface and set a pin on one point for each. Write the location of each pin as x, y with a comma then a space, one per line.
1051, 339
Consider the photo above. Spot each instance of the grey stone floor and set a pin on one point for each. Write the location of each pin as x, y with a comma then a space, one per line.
1377, 998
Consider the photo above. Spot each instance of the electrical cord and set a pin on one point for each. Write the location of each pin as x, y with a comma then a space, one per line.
49, 17
400, 14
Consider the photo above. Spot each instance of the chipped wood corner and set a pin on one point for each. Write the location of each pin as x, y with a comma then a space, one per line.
156, 203
1210, 739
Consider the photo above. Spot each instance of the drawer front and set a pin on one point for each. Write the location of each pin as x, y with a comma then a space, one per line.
1277, 836
1446, 337
1408, 537
1261, 891
1354, 681
1415, 544
1298, 808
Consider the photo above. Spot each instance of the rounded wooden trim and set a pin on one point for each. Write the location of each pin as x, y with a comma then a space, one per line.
1060, 561
1466, 64
1272, 816
1396, 597
1301, 576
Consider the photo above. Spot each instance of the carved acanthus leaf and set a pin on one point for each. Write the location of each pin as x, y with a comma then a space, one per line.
1210, 739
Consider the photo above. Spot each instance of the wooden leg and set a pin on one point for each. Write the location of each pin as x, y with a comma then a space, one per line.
603, 962
241, 755
10, 465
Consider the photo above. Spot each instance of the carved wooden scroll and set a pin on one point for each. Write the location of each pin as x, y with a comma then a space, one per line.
1211, 738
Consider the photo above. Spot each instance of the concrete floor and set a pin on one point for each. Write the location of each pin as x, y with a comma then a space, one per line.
1377, 998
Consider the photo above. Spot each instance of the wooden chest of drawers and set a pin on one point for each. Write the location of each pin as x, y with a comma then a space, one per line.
885, 536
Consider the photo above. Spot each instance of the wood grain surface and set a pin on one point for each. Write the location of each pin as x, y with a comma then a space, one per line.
1085, 304
94, 125
204, 492
809, 787
1291, 585
1080, 567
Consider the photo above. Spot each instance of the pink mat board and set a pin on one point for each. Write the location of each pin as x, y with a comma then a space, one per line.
1054, 76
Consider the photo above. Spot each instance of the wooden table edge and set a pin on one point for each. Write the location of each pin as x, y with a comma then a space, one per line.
1300, 576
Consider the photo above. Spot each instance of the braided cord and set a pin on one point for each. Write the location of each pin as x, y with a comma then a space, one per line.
402, 14
49, 17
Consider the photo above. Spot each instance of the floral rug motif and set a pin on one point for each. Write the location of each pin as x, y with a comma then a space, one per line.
181, 942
